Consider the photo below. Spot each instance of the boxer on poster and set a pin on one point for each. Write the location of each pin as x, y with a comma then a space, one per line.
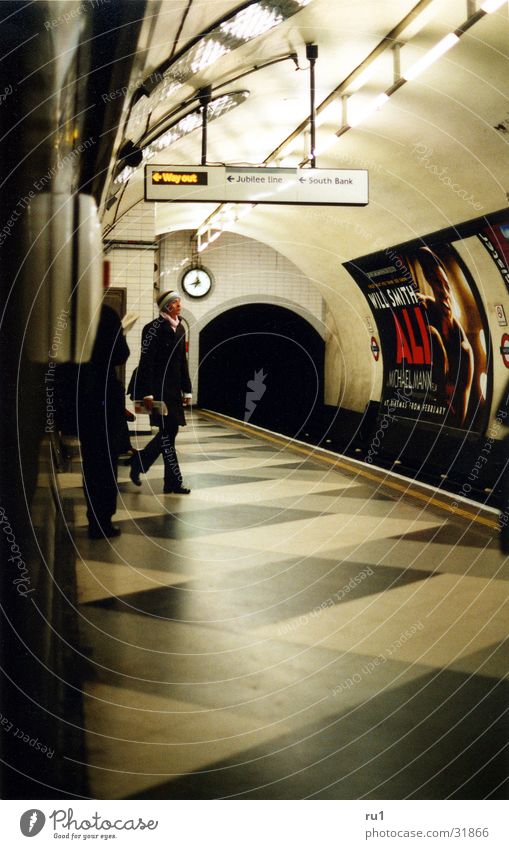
452, 355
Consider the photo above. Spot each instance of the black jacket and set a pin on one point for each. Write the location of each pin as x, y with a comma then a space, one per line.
163, 371
101, 398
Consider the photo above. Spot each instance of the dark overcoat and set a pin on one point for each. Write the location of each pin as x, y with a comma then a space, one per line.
100, 396
163, 370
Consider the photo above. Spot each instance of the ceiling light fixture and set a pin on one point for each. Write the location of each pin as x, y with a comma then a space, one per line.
431, 56
251, 22
207, 52
192, 121
234, 31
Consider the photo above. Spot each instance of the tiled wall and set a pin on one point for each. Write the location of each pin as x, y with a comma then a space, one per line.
243, 269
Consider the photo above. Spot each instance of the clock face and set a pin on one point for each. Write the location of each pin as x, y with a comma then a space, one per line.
196, 282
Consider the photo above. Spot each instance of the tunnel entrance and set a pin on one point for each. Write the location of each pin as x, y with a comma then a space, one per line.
263, 364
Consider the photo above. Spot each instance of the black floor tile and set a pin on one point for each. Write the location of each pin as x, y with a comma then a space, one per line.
290, 595
201, 456
454, 534
227, 435
198, 523
300, 464
442, 736
202, 481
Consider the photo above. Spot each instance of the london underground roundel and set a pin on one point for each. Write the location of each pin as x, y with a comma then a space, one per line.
504, 349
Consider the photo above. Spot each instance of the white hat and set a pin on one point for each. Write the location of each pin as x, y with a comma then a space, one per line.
165, 298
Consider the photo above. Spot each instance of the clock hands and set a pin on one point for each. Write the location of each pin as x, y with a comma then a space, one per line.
196, 282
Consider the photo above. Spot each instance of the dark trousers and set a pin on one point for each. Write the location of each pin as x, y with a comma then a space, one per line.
162, 443
99, 481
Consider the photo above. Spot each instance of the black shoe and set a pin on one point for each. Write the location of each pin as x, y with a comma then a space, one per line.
134, 473
176, 490
96, 532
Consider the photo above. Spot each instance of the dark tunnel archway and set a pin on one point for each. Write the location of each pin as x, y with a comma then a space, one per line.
264, 364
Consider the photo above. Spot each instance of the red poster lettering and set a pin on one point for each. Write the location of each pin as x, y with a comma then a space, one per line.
413, 346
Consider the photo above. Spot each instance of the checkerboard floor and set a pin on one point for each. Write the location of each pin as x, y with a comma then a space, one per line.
289, 631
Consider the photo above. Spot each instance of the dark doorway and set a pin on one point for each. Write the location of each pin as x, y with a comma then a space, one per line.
263, 364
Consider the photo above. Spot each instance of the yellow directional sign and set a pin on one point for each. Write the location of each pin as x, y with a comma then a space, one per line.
180, 178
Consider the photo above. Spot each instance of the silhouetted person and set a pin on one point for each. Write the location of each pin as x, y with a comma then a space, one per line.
101, 423
163, 375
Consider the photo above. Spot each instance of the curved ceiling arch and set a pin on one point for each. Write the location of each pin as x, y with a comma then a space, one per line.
436, 152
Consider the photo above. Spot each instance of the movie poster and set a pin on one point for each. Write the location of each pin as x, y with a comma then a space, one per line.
434, 335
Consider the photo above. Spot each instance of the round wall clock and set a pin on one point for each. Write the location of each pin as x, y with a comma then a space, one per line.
196, 281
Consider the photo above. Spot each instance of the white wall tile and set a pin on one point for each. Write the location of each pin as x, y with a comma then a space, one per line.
244, 271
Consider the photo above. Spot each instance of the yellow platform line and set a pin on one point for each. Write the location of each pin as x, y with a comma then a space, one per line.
315, 454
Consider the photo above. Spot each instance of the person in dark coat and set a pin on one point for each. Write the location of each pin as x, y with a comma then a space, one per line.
101, 423
163, 375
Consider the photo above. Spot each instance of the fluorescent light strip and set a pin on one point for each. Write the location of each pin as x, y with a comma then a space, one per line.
239, 210
492, 5
214, 235
435, 53
374, 106
325, 145
431, 56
